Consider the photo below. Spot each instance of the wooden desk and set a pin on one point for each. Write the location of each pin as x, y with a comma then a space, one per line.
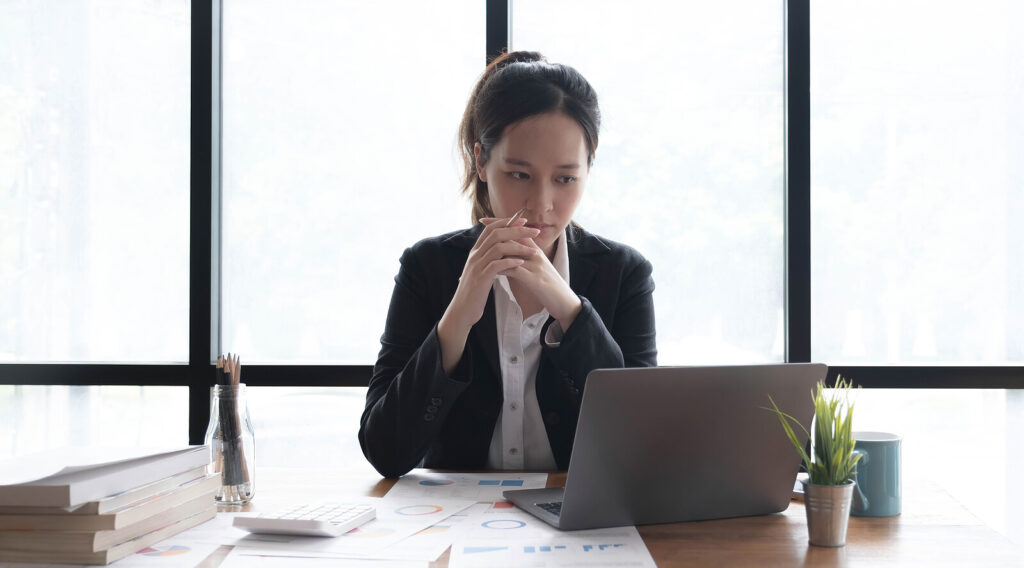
934, 529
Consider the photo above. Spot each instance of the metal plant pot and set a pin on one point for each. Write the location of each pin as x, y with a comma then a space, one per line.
828, 513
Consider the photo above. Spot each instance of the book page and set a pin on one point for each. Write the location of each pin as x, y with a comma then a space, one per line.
68, 461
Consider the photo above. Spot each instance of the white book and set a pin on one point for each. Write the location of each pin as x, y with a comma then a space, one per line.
118, 501
72, 476
112, 520
113, 553
97, 540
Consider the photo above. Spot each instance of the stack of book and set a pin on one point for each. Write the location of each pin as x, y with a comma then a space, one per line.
89, 506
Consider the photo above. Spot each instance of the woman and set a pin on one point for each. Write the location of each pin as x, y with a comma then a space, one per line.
492, 330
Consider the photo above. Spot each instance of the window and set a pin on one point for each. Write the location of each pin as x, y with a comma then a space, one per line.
339, 133
918, 250
307, 426
34, 418
94, 165
690, 165
335, 140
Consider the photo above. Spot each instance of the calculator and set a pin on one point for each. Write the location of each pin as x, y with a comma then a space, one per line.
321, 519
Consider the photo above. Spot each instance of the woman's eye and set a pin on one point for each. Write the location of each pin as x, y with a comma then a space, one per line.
566, 179
519, 175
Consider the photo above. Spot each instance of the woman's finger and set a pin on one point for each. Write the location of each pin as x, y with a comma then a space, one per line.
514, 220
508, 248
503, 265
480, 258
512, 272
529, 242
496, 233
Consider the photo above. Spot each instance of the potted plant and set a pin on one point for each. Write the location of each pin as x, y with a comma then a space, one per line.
829, 487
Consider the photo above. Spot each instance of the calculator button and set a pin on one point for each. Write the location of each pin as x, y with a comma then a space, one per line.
330, 519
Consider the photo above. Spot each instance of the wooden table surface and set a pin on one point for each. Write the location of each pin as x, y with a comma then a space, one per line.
934, 529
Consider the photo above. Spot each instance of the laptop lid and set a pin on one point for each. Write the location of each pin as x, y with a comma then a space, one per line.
670, 444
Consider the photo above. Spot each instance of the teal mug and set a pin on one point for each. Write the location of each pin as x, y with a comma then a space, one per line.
879, 490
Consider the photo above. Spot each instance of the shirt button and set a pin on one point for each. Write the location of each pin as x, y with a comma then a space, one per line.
513, 359
514, 451
531, 325
513, 406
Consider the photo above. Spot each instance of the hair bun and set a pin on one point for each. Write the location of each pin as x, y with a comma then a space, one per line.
517, 57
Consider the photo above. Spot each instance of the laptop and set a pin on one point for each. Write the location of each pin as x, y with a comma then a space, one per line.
672, 444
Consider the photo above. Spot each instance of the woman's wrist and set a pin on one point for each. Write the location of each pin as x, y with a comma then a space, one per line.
566, 314
455, 321
450, 328
452, 337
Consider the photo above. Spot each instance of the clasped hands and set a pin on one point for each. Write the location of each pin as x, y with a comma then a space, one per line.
503, 251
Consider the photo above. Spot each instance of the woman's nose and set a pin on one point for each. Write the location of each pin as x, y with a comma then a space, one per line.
540, 198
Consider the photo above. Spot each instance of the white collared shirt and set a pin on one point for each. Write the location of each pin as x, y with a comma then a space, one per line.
520, 440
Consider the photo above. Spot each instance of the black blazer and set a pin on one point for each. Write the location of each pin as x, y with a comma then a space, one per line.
415, 413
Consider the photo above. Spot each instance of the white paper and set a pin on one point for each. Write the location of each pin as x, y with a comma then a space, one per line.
217, 531
243, 558
480, 487
66, 461
431, 542
171, 553
187, 548
504, 520
498, 537
396, 520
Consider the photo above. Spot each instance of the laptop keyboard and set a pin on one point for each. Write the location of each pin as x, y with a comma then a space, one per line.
555, 507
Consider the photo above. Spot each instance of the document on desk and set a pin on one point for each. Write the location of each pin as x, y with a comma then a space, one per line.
501, 536
480, 487
217, 531
397, 519
243, 558
431, 542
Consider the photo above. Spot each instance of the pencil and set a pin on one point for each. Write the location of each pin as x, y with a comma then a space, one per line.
516, 216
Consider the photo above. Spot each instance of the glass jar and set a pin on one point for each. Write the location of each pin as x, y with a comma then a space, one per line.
232, 444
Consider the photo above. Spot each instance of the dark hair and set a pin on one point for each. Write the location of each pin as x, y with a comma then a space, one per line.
515, 86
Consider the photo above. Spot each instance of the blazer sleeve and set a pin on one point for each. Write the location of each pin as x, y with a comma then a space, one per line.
626, 340
409, 394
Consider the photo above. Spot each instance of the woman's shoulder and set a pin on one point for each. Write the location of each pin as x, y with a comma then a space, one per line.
584, 242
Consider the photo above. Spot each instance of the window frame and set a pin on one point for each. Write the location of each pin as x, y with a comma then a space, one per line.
204, 247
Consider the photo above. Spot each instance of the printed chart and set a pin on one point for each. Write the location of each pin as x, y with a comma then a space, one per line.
480, 487
173, 552
241, 558
499, 536
618, 549
397, 520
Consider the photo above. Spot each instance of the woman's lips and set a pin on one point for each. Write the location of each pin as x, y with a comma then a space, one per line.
541, 226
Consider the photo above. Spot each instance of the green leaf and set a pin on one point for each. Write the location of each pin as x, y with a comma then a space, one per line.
831, 461
785, 419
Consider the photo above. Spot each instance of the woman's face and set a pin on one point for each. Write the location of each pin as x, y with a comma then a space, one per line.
539, 163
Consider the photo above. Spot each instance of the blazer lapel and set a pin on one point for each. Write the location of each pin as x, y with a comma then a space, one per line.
581, 272
583, 248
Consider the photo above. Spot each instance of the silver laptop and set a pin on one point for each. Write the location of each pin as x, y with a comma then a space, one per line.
671, 444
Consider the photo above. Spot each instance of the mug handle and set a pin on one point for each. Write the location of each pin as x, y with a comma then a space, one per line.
860, 501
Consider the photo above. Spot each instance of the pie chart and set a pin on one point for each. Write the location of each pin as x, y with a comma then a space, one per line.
164, 550
413, 510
